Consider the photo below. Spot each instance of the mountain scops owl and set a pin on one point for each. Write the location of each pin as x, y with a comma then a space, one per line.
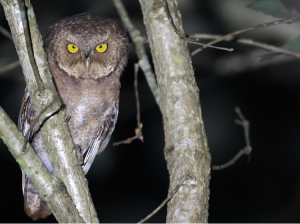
87, 54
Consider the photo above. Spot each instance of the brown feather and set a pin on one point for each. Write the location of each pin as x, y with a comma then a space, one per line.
91, 97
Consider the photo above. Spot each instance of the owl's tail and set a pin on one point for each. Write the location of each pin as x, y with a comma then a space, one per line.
34, 207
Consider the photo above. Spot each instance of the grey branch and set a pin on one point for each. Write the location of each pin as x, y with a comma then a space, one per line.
60, 144
191, 40
9, 67
138, 130
247, 150
28, 43
231, 35
166, 200
50, 188
186, 149
5, 32
250, 42
138, 41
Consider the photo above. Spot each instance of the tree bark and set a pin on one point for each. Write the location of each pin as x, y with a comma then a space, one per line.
50, 188
55, 132
186, 149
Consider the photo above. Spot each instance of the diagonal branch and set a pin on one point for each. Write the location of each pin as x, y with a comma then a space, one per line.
247, 150
170, 196
50, 188
231, 35
9, 67
138, 41
265, 46
5, 32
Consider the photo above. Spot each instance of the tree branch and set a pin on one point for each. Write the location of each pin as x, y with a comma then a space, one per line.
231, 35
59, 146
49, 187
166, 200
186, 149
250, 42
138, 130
247, 150
138, 41
5, 32
9, 67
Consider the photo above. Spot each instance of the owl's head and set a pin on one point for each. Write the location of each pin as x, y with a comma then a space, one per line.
87, 45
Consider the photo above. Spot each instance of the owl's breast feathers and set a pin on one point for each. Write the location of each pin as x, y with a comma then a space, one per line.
93, 106
87, 78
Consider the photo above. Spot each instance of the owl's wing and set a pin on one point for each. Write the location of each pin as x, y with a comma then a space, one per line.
103, 136
33, 205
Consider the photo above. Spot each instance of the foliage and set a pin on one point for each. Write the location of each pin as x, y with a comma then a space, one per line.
275, 8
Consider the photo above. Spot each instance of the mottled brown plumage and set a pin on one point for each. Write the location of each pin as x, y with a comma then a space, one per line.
87, 54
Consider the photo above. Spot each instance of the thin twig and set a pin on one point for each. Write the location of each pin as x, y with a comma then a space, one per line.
191, 40
247, 150
167, 199
138, 130
9, 67
231, 35
250, 42
138, 42
5, 32
136, 91
215, 47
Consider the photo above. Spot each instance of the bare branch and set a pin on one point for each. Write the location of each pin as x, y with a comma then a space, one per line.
9, 67
250, 42
170, 196
51, 189
231, 35
58, 147
183, 36
138, 41
138, 130
186, 149
5, 32
30, 50
215, 47
247, 150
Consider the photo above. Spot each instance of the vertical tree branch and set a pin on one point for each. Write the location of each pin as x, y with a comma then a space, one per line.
55, 132
186, 149
138, 41
29, 48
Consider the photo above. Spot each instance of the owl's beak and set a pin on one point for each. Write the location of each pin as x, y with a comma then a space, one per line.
88, 62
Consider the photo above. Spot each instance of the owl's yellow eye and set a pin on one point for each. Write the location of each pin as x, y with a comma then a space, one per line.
101, 48
72, 48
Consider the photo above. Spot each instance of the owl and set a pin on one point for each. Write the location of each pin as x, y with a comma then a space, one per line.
87, 54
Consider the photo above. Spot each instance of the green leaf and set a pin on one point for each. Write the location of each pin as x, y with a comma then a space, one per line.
272, 7
292, 45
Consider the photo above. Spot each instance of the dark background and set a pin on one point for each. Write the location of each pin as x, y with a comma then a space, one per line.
129, 181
